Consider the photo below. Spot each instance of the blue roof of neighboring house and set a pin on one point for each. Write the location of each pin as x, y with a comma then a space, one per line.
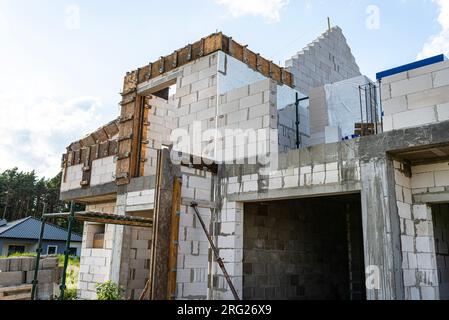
29, 228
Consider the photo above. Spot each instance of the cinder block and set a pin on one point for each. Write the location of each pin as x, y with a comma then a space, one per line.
15, 264
409, 278
258, 87
443, 112
441, 78
259, 111
4, 265
251, 101
425, 260
237, 94
195, 262
404, 210
207, 93
414, 118
238, 116
416, 84
28, 263
423, 180
427, 98
442, 178
14, 278
395, 105
49, 263
198, 290
44, 276
407, 244
424, 245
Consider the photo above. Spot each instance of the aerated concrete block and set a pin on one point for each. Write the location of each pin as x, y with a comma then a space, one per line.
14, 278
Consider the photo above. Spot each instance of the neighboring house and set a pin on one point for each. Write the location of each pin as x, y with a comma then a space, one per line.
22, 236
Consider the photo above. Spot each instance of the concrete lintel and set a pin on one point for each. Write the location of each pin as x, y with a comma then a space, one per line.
400, 140
434, 198
294, 193
100, 191
156, 83
141, 183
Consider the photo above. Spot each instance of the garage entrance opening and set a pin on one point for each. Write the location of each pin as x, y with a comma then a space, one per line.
305, 249
440, 217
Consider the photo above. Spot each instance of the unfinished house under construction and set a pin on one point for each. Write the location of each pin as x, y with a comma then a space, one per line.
313, 181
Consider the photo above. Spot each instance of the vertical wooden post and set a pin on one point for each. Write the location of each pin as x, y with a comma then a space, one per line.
174, 239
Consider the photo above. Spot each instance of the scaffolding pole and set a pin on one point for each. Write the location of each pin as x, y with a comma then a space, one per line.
38, 254
219, 260
62, 287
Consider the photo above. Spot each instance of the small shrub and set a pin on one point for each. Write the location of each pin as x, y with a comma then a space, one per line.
70, 294
109, 291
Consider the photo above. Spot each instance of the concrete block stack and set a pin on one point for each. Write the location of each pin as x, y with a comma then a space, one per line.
19, 271
417, 97
326, 60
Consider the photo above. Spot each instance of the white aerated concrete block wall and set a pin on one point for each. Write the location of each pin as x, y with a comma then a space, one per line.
95, 264
230, 244
161, 122
196, 96
417, 97
245, 117
72, 177
326, 60
103, 171
140, 200
193, 253
417, 239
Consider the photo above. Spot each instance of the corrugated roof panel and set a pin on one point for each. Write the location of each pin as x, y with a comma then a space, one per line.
29, 228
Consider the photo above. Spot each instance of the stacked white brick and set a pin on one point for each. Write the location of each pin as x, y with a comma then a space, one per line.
327, 59
416, 97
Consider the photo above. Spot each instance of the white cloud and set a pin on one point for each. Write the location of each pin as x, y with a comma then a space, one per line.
34, 132
268, 9
439, 43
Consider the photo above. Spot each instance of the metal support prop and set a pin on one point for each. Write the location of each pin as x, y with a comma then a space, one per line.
219, 260
62, 287
298, 139
38, 255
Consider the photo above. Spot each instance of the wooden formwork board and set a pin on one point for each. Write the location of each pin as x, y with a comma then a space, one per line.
16, 293
174, 239
213, 43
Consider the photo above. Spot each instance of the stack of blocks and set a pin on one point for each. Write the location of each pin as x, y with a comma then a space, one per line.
326, 60
417, 97
16, 272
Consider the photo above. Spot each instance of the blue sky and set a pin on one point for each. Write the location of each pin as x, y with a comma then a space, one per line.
63, 61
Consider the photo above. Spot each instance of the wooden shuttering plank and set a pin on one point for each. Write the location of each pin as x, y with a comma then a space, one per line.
210, 45
128, 140
174, 239
144, 137
87, 166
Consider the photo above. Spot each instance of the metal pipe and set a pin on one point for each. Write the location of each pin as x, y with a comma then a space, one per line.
38, 255
298, 122
361, 109
219, 260
380, 105
298, 143
62, 287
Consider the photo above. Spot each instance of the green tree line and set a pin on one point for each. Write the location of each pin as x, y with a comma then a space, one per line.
24, 194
